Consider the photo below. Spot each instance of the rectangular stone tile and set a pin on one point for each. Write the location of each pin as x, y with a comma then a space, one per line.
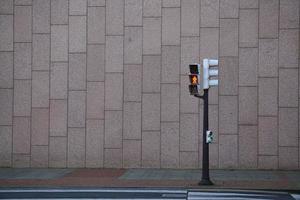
132, 83
76, 108
132, 121
59, 81
114, 17
6, 30
268, 18
171, 26
76, 148
189, 160
248, 65
95, 62
248, 3
41, 52
114, 91
268, 136
189, 132
152, 8
77, 71
39, 126
248, 147
170, 3
268, 162
190, 17
248, 105
267, 96
59, 11
213, 155
189, 53
151, 35
7, 7
7, 69
113, 158
213, 96
288, 127
248, 28
41, 16
22, 24
132, 151
133, 13
21, 161
96, 2
95, 100
77, 7
228, 151
170, 64
39, 156
6, 106
209, 43
58, 117
77, 34
229, 8
151, 112
288, 87
228, 75
96, 25
58, 152
289, 48
23, 2
114, 54
229, 31
228, 114
113, 129
133, 47
289, 14
209, 13
40, 89
151, 149
170, 145
151, 73
213, 121
5, 146
22, 61
94, 143
22, 97
170, 102
268, 58
59, 43
188, 103
21, 135
288, 158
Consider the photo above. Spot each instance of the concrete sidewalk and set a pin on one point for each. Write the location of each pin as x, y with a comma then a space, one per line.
234, 179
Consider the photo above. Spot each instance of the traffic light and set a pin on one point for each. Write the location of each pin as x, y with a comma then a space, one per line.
195, 87
209, 137
210, 70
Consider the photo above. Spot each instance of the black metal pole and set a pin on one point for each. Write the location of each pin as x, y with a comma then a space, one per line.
205, 180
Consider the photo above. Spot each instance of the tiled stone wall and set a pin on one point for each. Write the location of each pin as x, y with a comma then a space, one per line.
95, 83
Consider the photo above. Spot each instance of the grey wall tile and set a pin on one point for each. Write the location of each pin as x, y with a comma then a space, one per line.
248, 66
40, 126
133, 13
171, 26
132, 83
7, 7
268, 96
288, 127
268, 136
248, 105
113, 158
6, 146
113, 129
77, 7
288, 87
77, 33
6, 68
132, 150
39, 157
59, 43
21, 161
189, 160
58, 152
95, 62
151, 149
268, 162
152, 35
289, 48
96, 2
268, 18
248, 28
114, 17
190, 17
209, 13
76, 147
228, 75
133, 47
114, 54
288, 158
152, 8
289, 14
40, 89
229, 8
248, 3
95, 100
22, 24
22, 97
171, 3
132, 127
228, 151
59, 81
114, 91
40, 51
77, 71
170, 102
248, 147
6, 110
23, 2
189, 53
41, 16
76, 108
21, 135
229, 30
268, 58
59, 11
58, 117
151, 112
96, 25
22, 61
228, 114
209, 43
170, 64
6, 38
151, 73
189, 132
95, 141
188, 103
213, 121
170, 145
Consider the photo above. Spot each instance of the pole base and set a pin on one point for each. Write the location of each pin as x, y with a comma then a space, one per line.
205, 182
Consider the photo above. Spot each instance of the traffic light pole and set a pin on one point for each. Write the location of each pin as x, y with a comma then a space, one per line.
205, 180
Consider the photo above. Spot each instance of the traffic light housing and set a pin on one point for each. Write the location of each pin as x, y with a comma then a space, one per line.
195, 78
209, 137
210, 71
